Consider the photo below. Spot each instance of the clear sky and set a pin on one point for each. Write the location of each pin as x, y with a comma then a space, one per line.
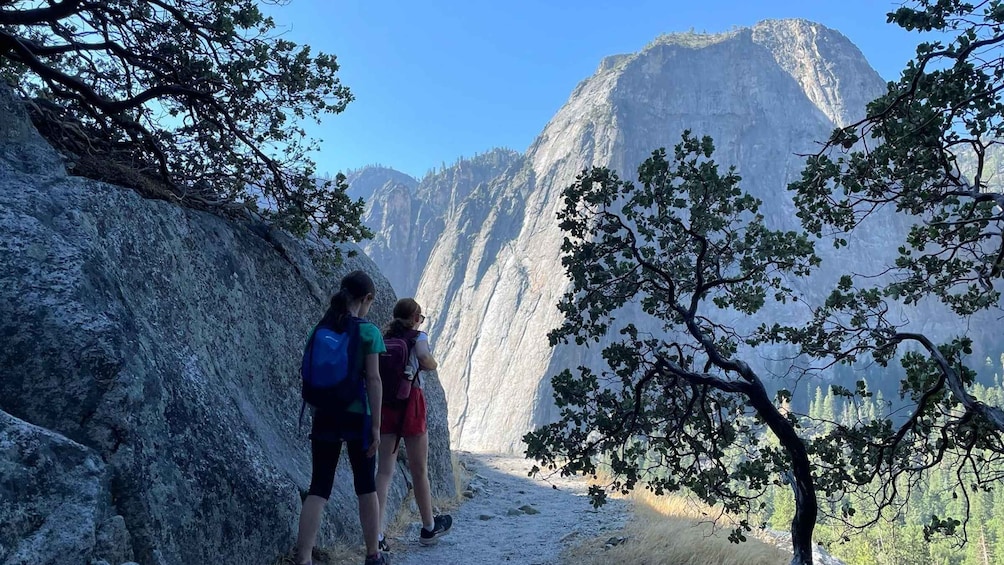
441, 79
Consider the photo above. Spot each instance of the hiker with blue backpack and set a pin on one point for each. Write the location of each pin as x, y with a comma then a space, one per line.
341, 382
404, 416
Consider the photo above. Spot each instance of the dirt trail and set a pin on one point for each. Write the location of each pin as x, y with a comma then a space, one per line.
490, 528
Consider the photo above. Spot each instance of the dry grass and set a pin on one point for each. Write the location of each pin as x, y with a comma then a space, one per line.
335, 555
461, 478
672, 530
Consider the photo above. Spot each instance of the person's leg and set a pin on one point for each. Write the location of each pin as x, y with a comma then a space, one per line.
369, 518
386, 463
364, 477
324, 461
310, 522
418, 464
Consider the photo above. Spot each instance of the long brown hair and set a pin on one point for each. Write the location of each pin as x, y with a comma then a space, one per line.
404, 314
355, 286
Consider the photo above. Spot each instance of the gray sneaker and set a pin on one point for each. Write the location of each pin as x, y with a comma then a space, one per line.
441, 525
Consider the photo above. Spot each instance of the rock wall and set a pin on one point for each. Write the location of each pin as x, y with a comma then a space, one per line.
150, 356
407, 218
57, 503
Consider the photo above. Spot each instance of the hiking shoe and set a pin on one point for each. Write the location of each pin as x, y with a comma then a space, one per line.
378, 559
384, 546
441, 525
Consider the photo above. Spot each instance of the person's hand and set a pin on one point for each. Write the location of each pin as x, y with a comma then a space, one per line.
374, 443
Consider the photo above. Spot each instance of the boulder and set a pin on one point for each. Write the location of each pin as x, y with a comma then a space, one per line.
55, 502
167, 342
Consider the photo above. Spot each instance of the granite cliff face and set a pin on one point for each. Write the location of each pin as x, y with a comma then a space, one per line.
764, 94
149, 386
407, 216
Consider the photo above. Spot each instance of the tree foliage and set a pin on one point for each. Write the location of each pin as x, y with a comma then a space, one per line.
911, 154
201, 98
678, 409
900, 536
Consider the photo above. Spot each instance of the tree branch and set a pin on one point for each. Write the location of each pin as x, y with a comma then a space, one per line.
992, 414
55, 11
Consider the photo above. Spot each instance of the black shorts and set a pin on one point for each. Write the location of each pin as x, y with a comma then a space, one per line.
325, 454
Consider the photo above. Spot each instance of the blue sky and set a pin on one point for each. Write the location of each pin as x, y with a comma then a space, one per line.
442, 79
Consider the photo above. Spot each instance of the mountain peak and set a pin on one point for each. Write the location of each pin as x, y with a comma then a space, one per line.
792, 24
696, 40
365, 181
830, 69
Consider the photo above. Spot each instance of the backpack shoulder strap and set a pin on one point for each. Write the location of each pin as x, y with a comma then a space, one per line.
411, 336
354, 328
412, 339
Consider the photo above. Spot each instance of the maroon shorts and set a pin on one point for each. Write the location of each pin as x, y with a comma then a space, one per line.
413, 416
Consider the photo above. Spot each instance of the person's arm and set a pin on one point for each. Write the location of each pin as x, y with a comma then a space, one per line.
425, 359
374, 389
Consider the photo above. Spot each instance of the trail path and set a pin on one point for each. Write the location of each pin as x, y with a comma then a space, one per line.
490, 529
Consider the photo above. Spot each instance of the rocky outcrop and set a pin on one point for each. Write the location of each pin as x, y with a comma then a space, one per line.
408, 218
390, 213
365, 182
57, 503
831, 71
765, 94
154, 352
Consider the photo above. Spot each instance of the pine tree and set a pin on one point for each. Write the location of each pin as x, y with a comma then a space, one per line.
828, 413
816, 405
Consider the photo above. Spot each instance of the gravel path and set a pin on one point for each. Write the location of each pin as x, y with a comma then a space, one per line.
512, 519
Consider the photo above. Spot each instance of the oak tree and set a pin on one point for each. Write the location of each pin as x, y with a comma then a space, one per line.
195, 101
678, 408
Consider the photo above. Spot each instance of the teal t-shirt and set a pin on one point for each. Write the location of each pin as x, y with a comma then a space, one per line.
370, 343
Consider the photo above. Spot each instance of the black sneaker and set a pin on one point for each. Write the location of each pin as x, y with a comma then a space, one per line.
442, 524
378, 559
384, 546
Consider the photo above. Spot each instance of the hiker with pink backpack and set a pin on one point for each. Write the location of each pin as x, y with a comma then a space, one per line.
404, 416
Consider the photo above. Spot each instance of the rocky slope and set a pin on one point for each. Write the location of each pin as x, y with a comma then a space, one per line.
149, 375
407, 218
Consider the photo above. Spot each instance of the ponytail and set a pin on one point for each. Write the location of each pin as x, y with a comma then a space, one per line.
355, 286
334, 318
396, 327
403, 321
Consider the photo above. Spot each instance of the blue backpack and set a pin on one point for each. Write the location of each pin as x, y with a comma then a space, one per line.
331, 380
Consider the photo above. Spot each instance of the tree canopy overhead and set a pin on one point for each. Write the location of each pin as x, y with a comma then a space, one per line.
204, 96
930, 149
